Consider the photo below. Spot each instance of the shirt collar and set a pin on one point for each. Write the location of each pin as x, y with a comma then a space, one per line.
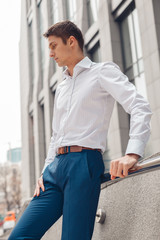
80, 66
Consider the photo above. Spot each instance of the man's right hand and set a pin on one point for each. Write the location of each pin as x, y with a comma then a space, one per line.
38, 186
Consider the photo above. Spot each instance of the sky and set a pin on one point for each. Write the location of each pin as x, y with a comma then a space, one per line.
10, 119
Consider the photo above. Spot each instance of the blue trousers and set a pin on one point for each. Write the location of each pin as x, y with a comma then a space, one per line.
72, 187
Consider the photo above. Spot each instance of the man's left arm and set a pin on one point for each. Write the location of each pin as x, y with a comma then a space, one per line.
118, 86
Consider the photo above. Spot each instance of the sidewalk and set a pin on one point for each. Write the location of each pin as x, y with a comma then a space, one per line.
5, 235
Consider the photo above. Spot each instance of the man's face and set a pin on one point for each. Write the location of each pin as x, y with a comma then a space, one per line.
59, 51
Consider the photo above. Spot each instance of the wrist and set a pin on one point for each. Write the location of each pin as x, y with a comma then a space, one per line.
135, 156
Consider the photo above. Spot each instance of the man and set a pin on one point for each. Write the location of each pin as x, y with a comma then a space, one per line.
71, 177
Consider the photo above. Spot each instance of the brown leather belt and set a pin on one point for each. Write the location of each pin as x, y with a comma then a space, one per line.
73, 148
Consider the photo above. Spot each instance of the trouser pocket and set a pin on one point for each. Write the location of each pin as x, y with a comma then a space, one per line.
94, 164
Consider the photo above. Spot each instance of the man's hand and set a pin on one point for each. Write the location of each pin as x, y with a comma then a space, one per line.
119, 167
38, 186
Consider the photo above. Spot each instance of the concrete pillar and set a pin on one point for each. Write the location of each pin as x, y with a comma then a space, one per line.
149, 22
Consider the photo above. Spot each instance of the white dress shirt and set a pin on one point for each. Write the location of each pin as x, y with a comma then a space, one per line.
84, 104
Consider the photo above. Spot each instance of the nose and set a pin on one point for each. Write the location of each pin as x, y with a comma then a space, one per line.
51, 53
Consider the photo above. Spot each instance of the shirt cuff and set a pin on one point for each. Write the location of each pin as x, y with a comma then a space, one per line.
45, 165
47, 162
135, 146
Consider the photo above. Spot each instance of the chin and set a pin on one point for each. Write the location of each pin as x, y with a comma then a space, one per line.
60, 64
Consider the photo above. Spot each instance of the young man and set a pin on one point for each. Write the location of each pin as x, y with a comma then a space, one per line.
71, 177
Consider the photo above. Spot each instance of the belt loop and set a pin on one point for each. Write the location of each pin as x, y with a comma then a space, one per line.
69, 149
65, 149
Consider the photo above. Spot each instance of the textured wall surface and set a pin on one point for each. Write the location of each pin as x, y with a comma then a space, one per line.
132, 207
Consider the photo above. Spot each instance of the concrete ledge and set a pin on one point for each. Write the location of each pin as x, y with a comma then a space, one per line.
132, 208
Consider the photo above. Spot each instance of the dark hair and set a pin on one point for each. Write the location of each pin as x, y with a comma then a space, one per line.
64, 30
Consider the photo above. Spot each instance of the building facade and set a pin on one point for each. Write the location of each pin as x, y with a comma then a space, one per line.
125, 32
14, 155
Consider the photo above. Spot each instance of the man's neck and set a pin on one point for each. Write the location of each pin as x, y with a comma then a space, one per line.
72, 64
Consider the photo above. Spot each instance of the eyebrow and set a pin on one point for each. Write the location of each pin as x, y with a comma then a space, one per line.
51, 43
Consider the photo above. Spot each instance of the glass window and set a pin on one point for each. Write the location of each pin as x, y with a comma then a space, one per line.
54, 11
54, 19
31, 55
28, 4
132, 51
52, 100
27, 7
42, 136
95, 53
32, 153
71, 7
92, 8
41, 15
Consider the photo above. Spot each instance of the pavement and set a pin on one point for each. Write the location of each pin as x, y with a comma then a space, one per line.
4, 236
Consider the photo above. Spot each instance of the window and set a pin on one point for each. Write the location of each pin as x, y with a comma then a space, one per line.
92, 9
42, 137
95, 53
53, 19
54, 11
31, 55
52, 99
71, 8
28, 4
132, 51
42, 39
31, 153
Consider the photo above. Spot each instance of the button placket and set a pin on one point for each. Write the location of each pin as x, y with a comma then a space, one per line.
68, 107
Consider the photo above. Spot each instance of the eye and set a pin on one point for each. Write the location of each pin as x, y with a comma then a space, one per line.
53, 46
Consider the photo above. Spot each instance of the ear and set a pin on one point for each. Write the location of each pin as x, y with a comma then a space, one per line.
72, 41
